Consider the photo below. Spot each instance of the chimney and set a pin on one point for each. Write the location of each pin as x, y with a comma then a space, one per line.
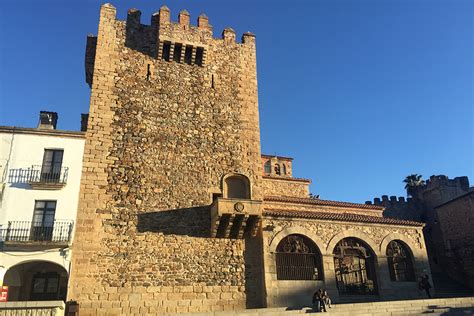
84, 119
47, 120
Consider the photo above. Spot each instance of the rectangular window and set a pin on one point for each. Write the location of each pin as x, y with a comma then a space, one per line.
45, 286
177, 52
43, 221
188, 55
166, 51
52, 163
199, 56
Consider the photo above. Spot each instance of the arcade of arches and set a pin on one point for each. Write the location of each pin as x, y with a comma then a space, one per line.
349, 260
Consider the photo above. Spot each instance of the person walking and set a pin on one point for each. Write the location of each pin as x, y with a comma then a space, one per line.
425, 284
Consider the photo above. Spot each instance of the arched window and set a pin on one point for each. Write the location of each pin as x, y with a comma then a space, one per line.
267, 167
277, 169
400, 263
237, 187
298, 258
284, 169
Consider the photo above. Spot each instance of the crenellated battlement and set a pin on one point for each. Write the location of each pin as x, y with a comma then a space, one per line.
436, 190
392, 201
175, 42
443, 181
162, 22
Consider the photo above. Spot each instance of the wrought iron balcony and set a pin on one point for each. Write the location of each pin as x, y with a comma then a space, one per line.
34, 233
40, 177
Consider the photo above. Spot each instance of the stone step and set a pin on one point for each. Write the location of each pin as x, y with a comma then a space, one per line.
437, 306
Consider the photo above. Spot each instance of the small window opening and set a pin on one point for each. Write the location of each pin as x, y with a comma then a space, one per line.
199, 56
267, 167
177, 52
148, 72
277, 169
212, 82
166, 51
284, 169
188, 55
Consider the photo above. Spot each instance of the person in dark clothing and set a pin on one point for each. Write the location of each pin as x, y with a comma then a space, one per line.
425, 284
318, 301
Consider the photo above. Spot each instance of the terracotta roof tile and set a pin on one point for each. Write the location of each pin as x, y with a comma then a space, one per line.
288, 199
346, 217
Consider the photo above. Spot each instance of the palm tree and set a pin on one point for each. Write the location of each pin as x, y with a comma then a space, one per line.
412, 182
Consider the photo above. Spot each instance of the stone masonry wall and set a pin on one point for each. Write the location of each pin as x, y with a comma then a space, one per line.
456, 219
161, 136
284, 187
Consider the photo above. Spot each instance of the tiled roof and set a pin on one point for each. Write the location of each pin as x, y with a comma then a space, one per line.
298, 200
346, 217
265, 176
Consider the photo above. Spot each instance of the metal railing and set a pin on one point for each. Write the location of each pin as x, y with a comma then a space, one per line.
28, 231
39, 174
297, 266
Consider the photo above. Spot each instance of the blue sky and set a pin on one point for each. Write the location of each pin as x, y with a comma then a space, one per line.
361, 93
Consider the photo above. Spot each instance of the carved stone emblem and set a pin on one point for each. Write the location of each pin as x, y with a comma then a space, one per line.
239, 207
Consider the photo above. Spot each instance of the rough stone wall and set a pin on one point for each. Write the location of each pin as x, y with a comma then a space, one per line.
456, 220
283, 187
161, 136
325, 235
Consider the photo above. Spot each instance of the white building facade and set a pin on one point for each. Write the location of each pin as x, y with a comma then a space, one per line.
40, 171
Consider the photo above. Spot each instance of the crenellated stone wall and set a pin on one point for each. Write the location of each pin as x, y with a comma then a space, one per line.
162, 134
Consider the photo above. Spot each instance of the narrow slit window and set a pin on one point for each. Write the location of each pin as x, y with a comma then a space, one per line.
166, 51
177, 52
199, 56
148, 72
212, 82
188, 55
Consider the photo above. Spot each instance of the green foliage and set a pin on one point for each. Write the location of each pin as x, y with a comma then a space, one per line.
412, 182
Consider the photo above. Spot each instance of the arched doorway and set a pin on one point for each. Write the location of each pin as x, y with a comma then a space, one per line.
298, 258
36, 281
354, 263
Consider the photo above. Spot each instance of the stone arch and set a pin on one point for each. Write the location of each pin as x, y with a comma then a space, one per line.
411, 246
297, 231
21, 276
352, 233
236, 185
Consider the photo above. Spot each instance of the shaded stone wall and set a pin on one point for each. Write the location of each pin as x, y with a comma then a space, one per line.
456, 219
161, 136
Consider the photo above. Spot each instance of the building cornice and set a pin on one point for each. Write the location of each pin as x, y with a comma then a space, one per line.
308, 201
287, 179
41, 132
343, 217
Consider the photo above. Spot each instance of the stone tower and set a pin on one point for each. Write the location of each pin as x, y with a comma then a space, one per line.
172, 152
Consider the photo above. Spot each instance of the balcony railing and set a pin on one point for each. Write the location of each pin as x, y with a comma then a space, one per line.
37, 232
49, 176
